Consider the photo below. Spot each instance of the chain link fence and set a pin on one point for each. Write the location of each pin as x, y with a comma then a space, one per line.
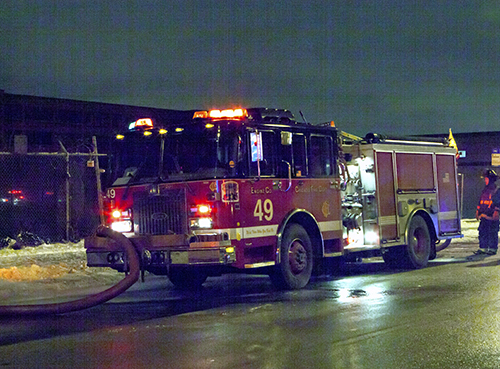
52, 196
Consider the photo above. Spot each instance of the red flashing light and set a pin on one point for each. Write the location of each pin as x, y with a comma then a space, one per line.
117, 213
200, 114
145, 122
222, 114
201, 209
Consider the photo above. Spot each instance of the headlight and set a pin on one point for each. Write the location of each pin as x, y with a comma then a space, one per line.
122, 227
200, 223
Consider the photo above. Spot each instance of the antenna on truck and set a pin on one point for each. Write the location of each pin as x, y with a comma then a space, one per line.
303, 117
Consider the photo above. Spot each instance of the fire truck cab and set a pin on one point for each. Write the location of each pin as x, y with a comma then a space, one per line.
254, 190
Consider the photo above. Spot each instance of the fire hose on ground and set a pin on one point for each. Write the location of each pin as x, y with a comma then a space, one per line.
92, 300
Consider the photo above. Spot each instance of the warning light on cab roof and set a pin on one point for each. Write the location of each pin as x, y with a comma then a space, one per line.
221, 114
144, 123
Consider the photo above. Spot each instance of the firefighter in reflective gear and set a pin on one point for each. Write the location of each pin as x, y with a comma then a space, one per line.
487, 214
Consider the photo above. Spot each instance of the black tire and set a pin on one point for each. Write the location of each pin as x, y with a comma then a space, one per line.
443, 244
296, 255
418, 249
416, 253
393, 257
186, 278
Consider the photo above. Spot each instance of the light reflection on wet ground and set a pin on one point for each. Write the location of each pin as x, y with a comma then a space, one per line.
368, 318
447, 313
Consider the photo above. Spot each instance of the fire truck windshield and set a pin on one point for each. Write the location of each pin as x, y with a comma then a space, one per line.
186, 153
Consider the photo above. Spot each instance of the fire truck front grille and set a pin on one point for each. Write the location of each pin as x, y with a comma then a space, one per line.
162, 214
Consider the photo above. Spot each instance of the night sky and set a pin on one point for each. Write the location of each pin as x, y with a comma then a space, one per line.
401, 67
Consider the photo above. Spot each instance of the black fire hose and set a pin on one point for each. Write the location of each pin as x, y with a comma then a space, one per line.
92, 300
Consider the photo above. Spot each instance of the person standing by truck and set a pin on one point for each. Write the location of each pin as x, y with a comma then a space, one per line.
488, 215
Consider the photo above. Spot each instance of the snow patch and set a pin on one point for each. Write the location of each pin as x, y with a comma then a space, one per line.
57, 260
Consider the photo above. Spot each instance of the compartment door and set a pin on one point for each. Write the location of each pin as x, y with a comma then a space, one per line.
386, 196
449, 217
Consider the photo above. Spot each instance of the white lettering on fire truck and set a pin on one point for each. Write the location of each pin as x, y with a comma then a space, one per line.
260, 191
310, 189
272, 229
256, 232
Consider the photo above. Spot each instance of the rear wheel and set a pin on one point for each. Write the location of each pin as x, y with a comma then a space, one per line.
393, 257
441, 245
295, 268
416, 253
418, 248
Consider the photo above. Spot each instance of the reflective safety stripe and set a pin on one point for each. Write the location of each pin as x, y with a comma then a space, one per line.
448, 215
250, 232
259, 231
387, 220
272, 229
334, 225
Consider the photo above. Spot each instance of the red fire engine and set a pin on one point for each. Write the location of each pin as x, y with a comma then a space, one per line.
254, 190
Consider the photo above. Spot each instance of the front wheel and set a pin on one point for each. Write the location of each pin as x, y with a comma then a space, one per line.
296, 254
187, 277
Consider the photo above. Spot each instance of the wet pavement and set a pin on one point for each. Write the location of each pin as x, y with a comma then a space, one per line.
444, 316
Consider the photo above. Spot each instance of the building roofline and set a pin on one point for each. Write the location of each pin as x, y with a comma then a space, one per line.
4, 95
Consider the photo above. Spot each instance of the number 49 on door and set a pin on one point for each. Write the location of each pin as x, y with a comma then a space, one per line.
265, 210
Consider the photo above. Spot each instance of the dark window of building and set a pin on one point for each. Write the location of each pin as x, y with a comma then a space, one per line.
71, 117
39, 113
14, 112
40, 138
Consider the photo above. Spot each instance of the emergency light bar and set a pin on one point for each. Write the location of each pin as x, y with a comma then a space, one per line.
144, 123
221, 114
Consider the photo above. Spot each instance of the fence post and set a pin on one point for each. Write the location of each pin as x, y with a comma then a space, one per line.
68, 175
98, 179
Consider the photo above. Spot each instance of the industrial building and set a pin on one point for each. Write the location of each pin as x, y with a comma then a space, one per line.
31, 127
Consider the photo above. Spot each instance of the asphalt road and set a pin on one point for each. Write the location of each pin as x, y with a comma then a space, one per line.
444, 316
